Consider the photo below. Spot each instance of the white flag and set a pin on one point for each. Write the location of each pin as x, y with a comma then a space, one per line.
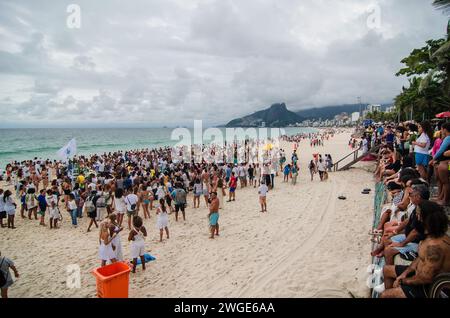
68, 150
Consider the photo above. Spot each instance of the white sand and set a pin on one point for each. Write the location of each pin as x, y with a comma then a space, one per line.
309, 244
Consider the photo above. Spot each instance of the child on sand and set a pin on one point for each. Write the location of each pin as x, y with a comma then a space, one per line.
137, 238
262, 191
162, 221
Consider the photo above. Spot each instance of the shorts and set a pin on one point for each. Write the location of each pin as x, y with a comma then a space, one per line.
410, 247
92, 214
197, 194
131, 213
227, 179
179, 207
3, 215
67, 192
205, 192
262, 199
422, 159
411, 291
214, 218
146, 201
232, 189
41, 212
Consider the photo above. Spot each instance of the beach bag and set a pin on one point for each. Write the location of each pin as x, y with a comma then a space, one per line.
90, 207
2, 275
133, 206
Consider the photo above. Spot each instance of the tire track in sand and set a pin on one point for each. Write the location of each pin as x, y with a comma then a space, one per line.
210, 284
291, 257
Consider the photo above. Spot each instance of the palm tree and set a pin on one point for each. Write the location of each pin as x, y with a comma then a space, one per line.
442, 4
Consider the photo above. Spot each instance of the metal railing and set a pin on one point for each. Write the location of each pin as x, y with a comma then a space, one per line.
356, 156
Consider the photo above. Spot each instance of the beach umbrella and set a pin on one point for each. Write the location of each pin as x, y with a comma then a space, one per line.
443, 115
268, 147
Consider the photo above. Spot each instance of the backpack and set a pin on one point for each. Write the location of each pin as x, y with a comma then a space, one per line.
180, 196
3, 275
89, 204
101, 201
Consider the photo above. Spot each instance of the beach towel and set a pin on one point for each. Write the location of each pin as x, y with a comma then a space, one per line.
147, 258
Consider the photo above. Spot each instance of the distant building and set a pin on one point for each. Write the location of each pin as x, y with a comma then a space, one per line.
263, 124
390, 109
374, 108
355, 117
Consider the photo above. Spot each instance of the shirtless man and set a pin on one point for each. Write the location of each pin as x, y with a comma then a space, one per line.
213, 215
434, 258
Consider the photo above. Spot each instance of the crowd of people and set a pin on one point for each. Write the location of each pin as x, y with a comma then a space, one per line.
413, 159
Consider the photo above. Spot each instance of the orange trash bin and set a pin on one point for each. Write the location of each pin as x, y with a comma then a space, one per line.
112, 280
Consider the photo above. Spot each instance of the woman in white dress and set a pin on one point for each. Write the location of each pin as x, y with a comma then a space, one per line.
137, 238
116, 242
105, 251
162, 221
120, 206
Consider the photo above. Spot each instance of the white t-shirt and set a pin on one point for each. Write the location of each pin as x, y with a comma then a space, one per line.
130, 200
321, 166
263, 189
120, 204
423, 138
72, 205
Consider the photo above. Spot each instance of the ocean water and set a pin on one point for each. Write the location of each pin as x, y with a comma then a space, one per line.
26, 144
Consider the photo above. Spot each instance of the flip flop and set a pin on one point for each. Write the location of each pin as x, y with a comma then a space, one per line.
367, 189
365, 192
341, 197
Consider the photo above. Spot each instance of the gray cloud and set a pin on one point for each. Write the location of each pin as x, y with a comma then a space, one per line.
169, 62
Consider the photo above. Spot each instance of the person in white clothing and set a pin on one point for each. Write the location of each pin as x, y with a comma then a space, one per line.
116, 242
131, 201
105, 251
321, 167
137, 238
10, 207
262, 191
422, 147
162, 221
120, 206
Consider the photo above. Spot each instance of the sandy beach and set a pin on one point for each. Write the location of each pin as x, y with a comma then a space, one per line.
309, 244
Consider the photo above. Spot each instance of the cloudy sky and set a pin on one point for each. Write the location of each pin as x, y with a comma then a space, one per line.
168, 62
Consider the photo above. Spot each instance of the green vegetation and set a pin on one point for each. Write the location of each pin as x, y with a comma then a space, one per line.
428, 73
